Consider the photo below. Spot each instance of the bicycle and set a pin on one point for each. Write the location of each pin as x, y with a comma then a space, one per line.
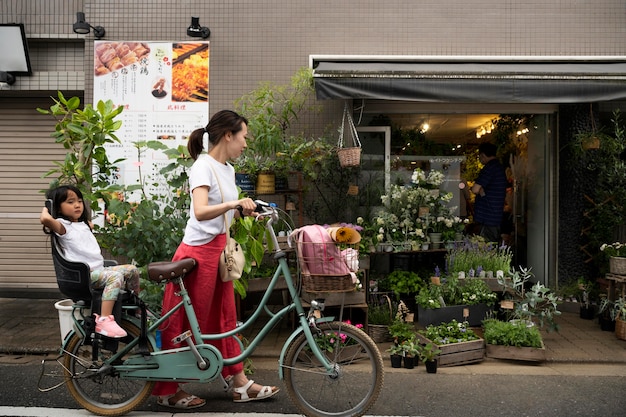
328, 367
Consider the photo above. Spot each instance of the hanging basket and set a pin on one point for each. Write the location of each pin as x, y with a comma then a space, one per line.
617, 265
349, 156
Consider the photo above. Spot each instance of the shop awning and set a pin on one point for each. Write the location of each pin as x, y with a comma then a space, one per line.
468, 79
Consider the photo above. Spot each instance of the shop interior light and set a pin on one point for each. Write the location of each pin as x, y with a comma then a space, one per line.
83, 28
197, 31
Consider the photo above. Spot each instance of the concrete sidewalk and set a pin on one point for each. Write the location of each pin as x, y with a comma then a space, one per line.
31, 327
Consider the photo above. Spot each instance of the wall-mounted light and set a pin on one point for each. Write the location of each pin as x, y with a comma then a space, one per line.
83, 28
197, 31
6, 78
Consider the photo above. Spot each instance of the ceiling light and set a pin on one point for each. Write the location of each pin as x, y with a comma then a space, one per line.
83, 28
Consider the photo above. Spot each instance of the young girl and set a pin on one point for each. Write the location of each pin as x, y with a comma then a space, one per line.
79, 244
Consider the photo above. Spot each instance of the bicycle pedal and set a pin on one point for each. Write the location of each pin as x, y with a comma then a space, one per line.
181, 337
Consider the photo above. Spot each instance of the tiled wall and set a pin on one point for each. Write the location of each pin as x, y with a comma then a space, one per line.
255, 40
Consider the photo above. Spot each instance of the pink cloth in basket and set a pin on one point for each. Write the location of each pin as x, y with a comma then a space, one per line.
318, 253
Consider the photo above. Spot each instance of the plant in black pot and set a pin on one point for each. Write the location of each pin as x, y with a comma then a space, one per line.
395, 354
607, 313
428, 354
410, 352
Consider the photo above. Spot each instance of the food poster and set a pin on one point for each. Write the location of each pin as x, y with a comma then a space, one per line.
164, 88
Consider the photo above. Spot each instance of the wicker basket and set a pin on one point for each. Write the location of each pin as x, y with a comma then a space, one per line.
620, 328
617, 265
327, 283
349, 157
379, 332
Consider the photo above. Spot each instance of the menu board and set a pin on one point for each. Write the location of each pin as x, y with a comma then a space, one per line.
164, 88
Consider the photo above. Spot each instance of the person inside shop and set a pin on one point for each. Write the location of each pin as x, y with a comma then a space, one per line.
490, 190
507, 225
210, 178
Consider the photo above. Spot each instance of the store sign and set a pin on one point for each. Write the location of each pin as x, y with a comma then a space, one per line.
164, 88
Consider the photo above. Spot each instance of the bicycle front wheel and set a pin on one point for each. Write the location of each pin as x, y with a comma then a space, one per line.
350, 388
106, 393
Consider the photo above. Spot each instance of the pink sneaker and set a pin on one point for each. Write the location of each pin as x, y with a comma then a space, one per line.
107, 326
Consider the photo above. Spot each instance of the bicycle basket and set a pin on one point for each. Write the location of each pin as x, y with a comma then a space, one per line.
325, 266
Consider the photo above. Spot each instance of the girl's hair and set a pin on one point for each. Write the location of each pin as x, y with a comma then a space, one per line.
220, 124
59, 195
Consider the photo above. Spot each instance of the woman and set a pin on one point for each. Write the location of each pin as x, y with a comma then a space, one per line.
204, 240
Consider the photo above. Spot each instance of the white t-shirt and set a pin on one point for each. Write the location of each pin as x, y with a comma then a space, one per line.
80, 244
202, 232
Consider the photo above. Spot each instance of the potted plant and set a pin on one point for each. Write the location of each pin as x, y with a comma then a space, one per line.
475, 254
620, 318
428, 354
459, 299
538, 304
616, 252
512, 340
401, 331
379, 317
410, 352
271, 110
404, 283
607, 313
395, 354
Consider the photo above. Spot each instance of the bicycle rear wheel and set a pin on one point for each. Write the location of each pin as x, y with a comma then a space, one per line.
105, 394
354, 384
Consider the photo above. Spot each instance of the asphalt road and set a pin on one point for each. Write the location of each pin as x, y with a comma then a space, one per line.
579, 391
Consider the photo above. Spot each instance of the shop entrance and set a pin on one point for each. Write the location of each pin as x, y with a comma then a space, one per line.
389, 158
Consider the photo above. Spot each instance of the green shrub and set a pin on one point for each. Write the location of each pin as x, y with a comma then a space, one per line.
506, 333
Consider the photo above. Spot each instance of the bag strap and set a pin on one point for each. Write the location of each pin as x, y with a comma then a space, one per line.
219, 185
351, 126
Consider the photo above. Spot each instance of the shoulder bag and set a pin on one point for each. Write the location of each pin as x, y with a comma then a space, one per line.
232, 258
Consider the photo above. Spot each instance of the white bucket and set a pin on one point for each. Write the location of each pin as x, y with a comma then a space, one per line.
64, 307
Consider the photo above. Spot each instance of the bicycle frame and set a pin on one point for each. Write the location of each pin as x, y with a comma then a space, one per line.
201, 361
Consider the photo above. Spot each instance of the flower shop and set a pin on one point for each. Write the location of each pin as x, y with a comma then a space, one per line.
443, 294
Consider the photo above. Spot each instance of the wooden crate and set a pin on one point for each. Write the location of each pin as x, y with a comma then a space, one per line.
528, 354
454, 354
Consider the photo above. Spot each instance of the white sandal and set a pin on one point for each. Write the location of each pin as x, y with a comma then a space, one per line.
182, 404
265, 392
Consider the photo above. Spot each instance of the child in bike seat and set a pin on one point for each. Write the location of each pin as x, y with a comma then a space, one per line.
78, 243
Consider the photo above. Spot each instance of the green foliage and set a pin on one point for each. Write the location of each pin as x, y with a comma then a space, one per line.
506, 333
151, 228
428, 352
401, 331
476, 291
453, 291
83, 133
410, 347
539, 304
395, 349
607, 198
446, 333
404, 282
271, 109
612, 309
474, 254
379, 314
